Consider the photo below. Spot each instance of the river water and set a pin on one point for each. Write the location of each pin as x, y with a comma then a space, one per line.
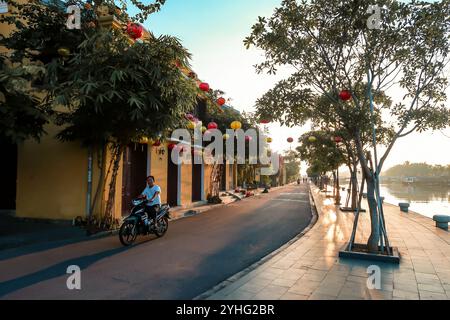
426, 200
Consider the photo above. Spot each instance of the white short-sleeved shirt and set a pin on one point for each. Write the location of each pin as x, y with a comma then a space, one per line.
150, 192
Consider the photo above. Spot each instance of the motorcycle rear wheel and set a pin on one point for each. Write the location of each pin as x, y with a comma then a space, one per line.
128, 233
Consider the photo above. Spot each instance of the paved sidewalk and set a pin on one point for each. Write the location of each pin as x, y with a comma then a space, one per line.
311, 269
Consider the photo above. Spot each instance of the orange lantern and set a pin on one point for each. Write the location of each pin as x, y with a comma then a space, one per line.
236, 125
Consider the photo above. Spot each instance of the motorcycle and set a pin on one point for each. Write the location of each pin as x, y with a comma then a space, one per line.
138, 222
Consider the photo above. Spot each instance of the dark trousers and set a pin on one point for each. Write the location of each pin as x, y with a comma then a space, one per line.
152, 211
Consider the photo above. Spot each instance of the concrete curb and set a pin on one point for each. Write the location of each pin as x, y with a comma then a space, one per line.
192, 212
257, 264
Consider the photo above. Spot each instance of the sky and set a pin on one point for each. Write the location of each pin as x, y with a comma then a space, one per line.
213, 31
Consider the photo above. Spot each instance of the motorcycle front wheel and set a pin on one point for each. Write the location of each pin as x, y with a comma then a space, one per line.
163, 225
128, 233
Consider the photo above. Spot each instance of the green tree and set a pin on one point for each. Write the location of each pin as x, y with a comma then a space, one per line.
329, 48
22, 116
292, 164
320, 151
112, 91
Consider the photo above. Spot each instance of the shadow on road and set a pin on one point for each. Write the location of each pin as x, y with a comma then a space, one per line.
57, 270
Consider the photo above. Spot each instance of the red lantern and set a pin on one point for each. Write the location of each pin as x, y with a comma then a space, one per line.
345, 95
157, 143
248, 138
264, 121
290, 140
135, 30
172, 146
212, 126
338, 139
221, 101
204, 86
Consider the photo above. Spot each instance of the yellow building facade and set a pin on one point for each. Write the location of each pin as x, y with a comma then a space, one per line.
52, 176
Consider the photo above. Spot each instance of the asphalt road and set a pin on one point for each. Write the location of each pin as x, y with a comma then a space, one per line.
196, 254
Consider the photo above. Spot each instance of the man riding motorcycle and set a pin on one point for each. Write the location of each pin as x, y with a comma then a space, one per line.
152, 194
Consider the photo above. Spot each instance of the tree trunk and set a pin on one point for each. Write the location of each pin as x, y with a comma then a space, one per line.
215, 180
101, 179
374, 239
334, 184
112, 185
338, 192
354, 182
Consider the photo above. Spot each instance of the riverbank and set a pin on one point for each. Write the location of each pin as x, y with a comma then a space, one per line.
425, 200
311, 269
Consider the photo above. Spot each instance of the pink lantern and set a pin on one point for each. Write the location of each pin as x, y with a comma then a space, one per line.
290, 139
248, 138
135, 30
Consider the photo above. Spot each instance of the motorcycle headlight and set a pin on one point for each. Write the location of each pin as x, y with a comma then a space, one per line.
136, 202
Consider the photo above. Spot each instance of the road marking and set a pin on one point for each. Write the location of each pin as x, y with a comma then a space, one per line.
292, 200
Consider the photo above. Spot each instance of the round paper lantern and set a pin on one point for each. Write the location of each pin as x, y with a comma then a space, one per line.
345, 95
226, 136
236, 125
191, 125
144, 140
135, 30
212, 126
312, 139
157, 143
338, 139
290, 139
204, 129
221, 101
172, 146
269, 140
64, 52
204, 86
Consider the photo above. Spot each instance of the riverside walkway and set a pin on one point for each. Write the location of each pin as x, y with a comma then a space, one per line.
309, 268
